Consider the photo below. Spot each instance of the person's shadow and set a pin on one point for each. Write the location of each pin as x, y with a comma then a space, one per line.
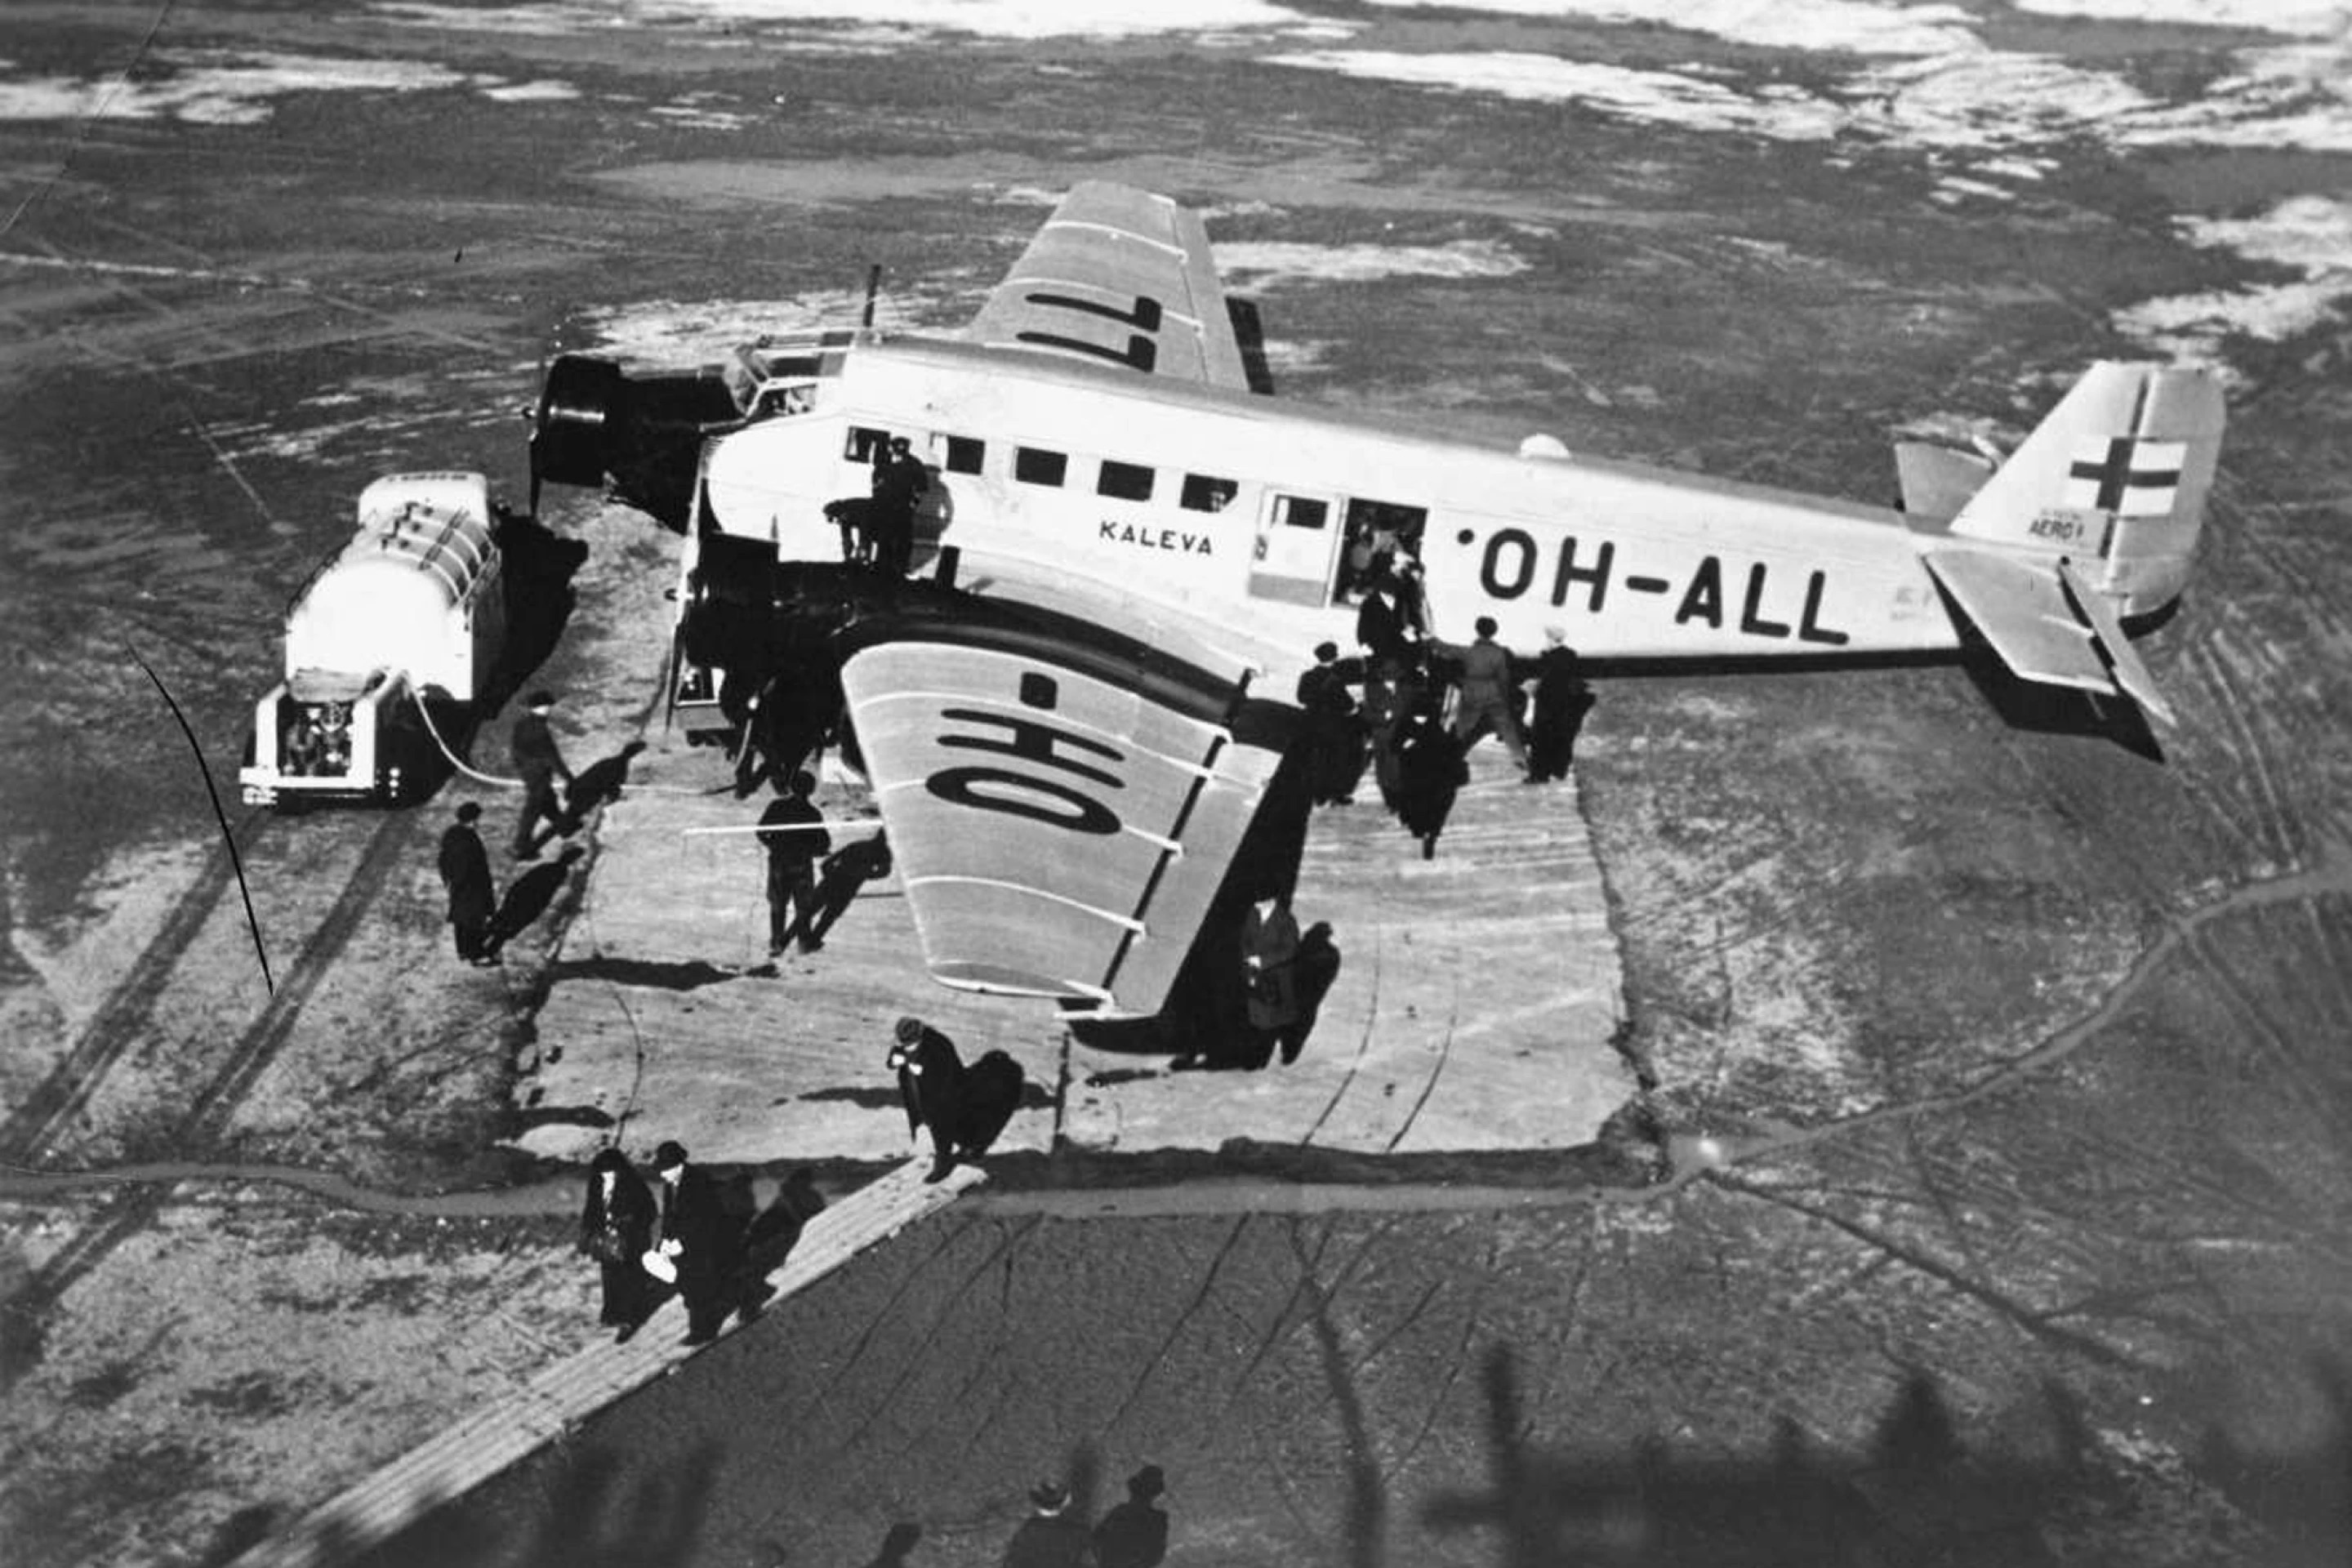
529, 895
845, 871
600, 781
1134, 1534
897, 1545
771, 1233
1316, 967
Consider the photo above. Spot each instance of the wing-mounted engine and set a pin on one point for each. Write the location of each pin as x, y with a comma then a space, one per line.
642, 435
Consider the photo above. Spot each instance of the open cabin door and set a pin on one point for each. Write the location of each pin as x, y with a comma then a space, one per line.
1297, 542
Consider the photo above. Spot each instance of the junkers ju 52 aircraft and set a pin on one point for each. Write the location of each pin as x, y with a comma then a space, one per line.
1124, 545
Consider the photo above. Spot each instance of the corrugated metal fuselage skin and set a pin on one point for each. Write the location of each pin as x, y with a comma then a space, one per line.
1631, 562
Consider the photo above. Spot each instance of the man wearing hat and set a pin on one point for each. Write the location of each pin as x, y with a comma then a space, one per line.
899, 481
540, 764
930, 1083
1050, 1537
1487, 699
465, 875
792, 831
700, 1241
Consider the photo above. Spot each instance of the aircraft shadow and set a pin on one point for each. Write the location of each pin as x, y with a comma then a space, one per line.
2041, 708
1206, 1014
1915, 1491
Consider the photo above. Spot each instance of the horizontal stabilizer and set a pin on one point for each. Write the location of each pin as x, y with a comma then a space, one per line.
2046, 625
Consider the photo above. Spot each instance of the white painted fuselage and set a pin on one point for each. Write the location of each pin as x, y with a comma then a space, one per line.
1237, 511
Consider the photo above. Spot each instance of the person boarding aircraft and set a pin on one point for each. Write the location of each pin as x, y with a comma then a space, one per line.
1123, 541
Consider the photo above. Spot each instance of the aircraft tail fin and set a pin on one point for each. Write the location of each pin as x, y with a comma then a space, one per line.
2113, 482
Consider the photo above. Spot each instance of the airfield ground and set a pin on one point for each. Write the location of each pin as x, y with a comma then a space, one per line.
2024, 1052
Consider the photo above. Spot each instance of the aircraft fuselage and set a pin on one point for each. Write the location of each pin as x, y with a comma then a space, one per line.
1242, 509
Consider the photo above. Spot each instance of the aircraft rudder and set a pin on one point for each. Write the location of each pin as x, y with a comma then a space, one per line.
2115, 478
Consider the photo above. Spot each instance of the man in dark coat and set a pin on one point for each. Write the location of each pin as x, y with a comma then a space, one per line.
539, 762
1333, 734
473, 899
1384, 623
1051, 1537
1430, 772
1562, 699
791, 832
1269, 951
1390, 693
930, 1083
899, 481
702, 1241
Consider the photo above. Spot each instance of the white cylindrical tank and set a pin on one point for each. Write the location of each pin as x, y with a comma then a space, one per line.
416, 590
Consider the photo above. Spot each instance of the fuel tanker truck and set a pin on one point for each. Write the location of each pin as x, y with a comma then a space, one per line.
388, 645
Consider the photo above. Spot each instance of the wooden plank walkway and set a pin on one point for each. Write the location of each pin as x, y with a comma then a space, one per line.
1475, 1008
538, 1412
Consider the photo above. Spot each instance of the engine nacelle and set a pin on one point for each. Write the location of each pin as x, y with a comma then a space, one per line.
641, 435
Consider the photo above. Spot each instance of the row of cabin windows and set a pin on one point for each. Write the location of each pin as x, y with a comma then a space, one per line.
1385, 524
1040, 465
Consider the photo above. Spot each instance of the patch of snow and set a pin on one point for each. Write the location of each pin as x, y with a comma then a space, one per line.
541, 91
1851, 26
214, 87
2313, 18
2310, 234
1781, 112
1257, 268
1015, 19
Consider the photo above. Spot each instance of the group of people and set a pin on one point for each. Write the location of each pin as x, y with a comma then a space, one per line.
1419, 759
694, 1235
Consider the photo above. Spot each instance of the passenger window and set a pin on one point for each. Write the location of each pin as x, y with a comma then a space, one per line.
964, 455
863, 444
1300, 511
1035, 465
1124, 482
1203, 493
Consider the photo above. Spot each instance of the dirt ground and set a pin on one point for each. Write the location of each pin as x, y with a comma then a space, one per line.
2017, 1233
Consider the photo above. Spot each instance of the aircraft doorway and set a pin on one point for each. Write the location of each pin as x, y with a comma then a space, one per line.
1297, 540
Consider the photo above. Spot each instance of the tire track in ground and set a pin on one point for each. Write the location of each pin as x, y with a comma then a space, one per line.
122, 1017
23, 1318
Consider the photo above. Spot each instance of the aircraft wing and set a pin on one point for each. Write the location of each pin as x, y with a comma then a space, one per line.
1118, 276
1062, 802
2046, 625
